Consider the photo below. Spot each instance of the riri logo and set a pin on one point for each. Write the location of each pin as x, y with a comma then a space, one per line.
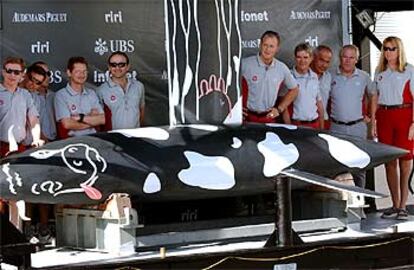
113, 45
113, 17
40, 47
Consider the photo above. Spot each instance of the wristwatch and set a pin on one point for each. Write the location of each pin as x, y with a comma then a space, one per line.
81, 116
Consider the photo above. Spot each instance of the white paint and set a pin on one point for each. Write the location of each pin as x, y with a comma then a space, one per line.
215, 173
177, 92
21, 209
237, 143
152, 184
235, 116
74, 166
277, 155
152, 133
218, 38
227, 31
12, 140
236, 59
188, 76
290, 127
201, 127
6, 170
346, 152
174, 88
197, 65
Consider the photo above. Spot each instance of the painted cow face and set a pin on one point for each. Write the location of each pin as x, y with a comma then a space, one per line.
80, 159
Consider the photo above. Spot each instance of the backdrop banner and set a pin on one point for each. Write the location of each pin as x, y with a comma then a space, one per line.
186, 53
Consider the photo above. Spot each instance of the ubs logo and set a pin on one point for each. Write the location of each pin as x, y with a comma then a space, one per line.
113, 17
124, 45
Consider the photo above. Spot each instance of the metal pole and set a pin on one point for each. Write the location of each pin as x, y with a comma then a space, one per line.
283, 222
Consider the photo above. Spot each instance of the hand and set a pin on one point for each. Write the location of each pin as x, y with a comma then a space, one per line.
273, 113
374, 129
38, 143
367, 119
75, 117
244, 113
411, 132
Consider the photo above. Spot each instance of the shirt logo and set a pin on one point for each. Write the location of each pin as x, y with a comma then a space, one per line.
333, 83
380, 78
254, 78
73, 107
1, 102
113, 98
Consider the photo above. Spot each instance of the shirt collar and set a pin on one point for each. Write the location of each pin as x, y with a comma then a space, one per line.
296, 74
73, 92
262, 64
111, 83
355, 73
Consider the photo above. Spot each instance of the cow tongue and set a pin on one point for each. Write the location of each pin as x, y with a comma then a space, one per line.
92, 192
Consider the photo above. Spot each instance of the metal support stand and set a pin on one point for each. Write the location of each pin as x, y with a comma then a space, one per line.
283, 218
283, 234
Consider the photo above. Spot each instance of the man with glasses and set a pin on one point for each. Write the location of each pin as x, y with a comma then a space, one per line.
123, 98
17, 110
32, 82
47, 113
77, 108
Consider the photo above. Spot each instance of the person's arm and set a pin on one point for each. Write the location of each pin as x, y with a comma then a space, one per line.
93, 119
74, 123
321, 114
35, 131
286, 117
411, 130
284, 104
141, 114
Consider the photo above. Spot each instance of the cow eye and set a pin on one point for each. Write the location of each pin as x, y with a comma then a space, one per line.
78, 163
72, 150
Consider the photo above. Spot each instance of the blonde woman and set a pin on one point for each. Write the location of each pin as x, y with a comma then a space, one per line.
394, 81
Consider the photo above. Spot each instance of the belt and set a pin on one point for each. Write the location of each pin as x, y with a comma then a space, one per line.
305, 121
258, 114
347, 123
399, 106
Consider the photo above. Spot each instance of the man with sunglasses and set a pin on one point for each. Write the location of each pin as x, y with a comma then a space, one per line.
123, 97
32, 82
17, 110
77, 107
47, 112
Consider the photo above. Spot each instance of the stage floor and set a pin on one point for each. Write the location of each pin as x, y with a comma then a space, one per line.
372, 227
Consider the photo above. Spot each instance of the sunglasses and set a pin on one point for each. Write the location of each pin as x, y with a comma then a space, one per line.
14, 71
34, 80
121, 65
390, 49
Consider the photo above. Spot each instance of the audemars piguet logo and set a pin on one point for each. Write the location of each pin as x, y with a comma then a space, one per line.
310, 15
42, 17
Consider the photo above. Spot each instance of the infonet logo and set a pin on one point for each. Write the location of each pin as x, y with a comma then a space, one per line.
310, 15
44, 17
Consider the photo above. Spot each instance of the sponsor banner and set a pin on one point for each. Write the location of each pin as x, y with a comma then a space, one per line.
187, 57
314, 21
